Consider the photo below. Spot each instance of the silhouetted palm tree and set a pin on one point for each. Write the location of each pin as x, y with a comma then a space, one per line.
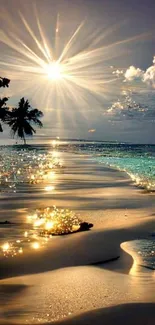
21, 118
3, 111
4, 82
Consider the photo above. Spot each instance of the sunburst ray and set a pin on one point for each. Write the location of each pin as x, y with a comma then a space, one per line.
52, 77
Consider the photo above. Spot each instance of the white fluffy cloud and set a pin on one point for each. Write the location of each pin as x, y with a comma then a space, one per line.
147, 76
137, 102
133, 73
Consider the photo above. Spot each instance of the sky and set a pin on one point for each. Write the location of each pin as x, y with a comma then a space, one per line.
89, 65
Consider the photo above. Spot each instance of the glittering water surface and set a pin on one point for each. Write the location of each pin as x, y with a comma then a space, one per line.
26, 166
18, 165
34, 169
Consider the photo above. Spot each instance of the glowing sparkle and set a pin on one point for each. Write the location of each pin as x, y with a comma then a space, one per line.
49, 225
38, 222
36, 245
5, 247
57, 221
33, 217
51, 175
49, 188
54, 143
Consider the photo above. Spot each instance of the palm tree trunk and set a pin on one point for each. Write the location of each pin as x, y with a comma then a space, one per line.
24, 139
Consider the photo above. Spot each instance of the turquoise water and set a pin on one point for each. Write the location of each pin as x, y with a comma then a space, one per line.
140, 169
138, 161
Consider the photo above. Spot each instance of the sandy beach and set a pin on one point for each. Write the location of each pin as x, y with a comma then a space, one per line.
88, 277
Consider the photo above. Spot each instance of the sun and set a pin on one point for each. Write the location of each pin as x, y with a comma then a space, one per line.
54, 71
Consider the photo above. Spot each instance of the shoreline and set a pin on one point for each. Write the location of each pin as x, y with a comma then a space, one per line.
119, 212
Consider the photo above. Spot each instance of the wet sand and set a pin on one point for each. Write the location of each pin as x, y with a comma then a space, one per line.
64, 279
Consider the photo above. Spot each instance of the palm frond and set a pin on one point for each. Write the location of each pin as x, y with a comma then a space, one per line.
4, 82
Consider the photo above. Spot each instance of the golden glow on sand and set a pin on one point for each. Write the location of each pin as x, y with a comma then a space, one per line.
49, 188
35, 245
5, 247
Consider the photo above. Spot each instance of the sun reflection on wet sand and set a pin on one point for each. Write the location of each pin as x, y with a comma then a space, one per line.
26, 167
43, 224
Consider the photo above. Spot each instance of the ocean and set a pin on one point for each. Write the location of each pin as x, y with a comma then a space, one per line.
24, 170
138, 161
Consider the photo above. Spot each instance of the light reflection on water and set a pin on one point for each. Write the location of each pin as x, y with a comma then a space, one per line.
25, 171
27, 166
18, 239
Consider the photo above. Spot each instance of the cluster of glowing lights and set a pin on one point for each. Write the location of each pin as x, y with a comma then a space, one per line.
12, 249
27, 241
43, 224
55, 221
27, 167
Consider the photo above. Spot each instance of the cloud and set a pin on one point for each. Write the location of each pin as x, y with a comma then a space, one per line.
128, 108
118, 73
116, 106
149, 75
133, 73
146, 77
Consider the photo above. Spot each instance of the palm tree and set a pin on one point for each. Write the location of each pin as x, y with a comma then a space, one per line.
3, 111
4, 82
21, 118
